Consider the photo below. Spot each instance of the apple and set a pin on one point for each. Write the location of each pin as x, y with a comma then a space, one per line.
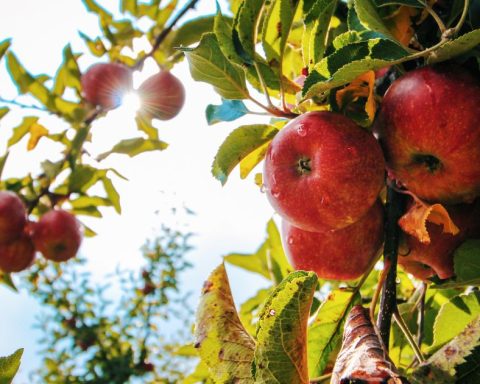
430, 131
342, 254
17, 255
12, 217
162, 96
57, 235
322, 171
427, 260
104, 84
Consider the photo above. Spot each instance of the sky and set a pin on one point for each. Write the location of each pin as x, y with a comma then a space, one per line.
228, 219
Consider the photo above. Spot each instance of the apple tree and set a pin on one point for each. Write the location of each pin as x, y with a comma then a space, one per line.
370, 159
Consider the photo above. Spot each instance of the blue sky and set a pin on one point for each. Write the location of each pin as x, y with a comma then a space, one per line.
230, 218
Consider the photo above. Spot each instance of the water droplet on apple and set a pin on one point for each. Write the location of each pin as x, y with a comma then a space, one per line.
290, 240
301, 130
276, 194
263, 189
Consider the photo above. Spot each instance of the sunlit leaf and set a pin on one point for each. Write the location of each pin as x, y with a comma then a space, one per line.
252, 160
456, 47
37, 131
246, 27
281, 352
96, 47
3, 111
4, 45
134, 147
241, 142
325, 333
250, 310
68, 75
6, 279
9, 366
112, 193
21, 130
208, 64
145, 125
191, 31
222, 341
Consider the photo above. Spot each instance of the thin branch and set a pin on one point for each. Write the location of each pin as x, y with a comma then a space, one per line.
438, 20
376, 295
408, 335
321, 379
421, 314
388, 304
23, 106
164, 33
463, 17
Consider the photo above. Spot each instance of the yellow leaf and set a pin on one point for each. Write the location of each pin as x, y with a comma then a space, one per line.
37, 131
255, 157
362, 86
414, 222
400, 24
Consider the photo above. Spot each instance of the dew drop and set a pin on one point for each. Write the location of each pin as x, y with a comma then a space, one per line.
301, 130
272, 312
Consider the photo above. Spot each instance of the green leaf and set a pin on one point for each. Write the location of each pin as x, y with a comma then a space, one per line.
276, 27
250, 309
317, 22
82, 178
467, 263
4, 45
21, 130
129, 6
325, 334
349, 62
208, 64
408, 3
96, 47
6, 279
3, 160
246, 27
9, 366
222, 341
455, 47
191, 31
92, 6
112, 193
269, 260
458, 358
238, 145
3, 111
229, 110
68, 75
87, 201
223, 31
281, 352
370, 19
134, 147
453, 317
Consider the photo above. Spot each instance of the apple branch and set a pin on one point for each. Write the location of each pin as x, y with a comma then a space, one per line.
395, 207
164, 33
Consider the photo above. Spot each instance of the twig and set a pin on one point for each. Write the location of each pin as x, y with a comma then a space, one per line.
408, 335
321, 379
165, 33
421, 315
438, 20
463, 17
388, 304
23, 106
376, 295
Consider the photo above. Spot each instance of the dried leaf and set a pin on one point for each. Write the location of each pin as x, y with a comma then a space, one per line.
400, 24
362, 86
414, 222
362, 357
37, 131
222, 341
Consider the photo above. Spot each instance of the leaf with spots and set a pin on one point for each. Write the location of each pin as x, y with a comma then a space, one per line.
239, 144
281, 353
222, 341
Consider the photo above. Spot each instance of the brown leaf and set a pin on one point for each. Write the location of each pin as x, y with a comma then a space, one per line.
400, 24
414, 222
362, 86
362, 357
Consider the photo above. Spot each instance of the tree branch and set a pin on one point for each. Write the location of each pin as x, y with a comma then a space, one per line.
395, 208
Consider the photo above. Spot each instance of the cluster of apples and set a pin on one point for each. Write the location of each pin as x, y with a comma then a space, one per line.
323, 175
162, 95
57, 235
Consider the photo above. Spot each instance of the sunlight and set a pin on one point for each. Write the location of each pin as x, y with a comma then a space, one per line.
130, 105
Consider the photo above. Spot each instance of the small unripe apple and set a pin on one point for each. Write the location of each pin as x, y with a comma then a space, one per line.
429, 128
105, 84
427, 260
17, 255
322, 171
57, 235
342, 254
162, 96
12, 217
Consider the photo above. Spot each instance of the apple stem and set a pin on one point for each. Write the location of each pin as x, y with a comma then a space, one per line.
395, 207
438, 20
421, 314
408, 335
462, 19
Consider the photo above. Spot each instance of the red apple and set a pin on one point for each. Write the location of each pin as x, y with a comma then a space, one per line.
104, 84
322, 171
12, 217
162, 96
17, 255
342, 254
427, 260
429, 128
57, 235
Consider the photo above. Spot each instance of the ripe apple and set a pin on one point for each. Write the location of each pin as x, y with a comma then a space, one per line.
17, 255
322, 171
342, 254
12, 217
57, 235
429, 128
427, 260
162, 96
104, 84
